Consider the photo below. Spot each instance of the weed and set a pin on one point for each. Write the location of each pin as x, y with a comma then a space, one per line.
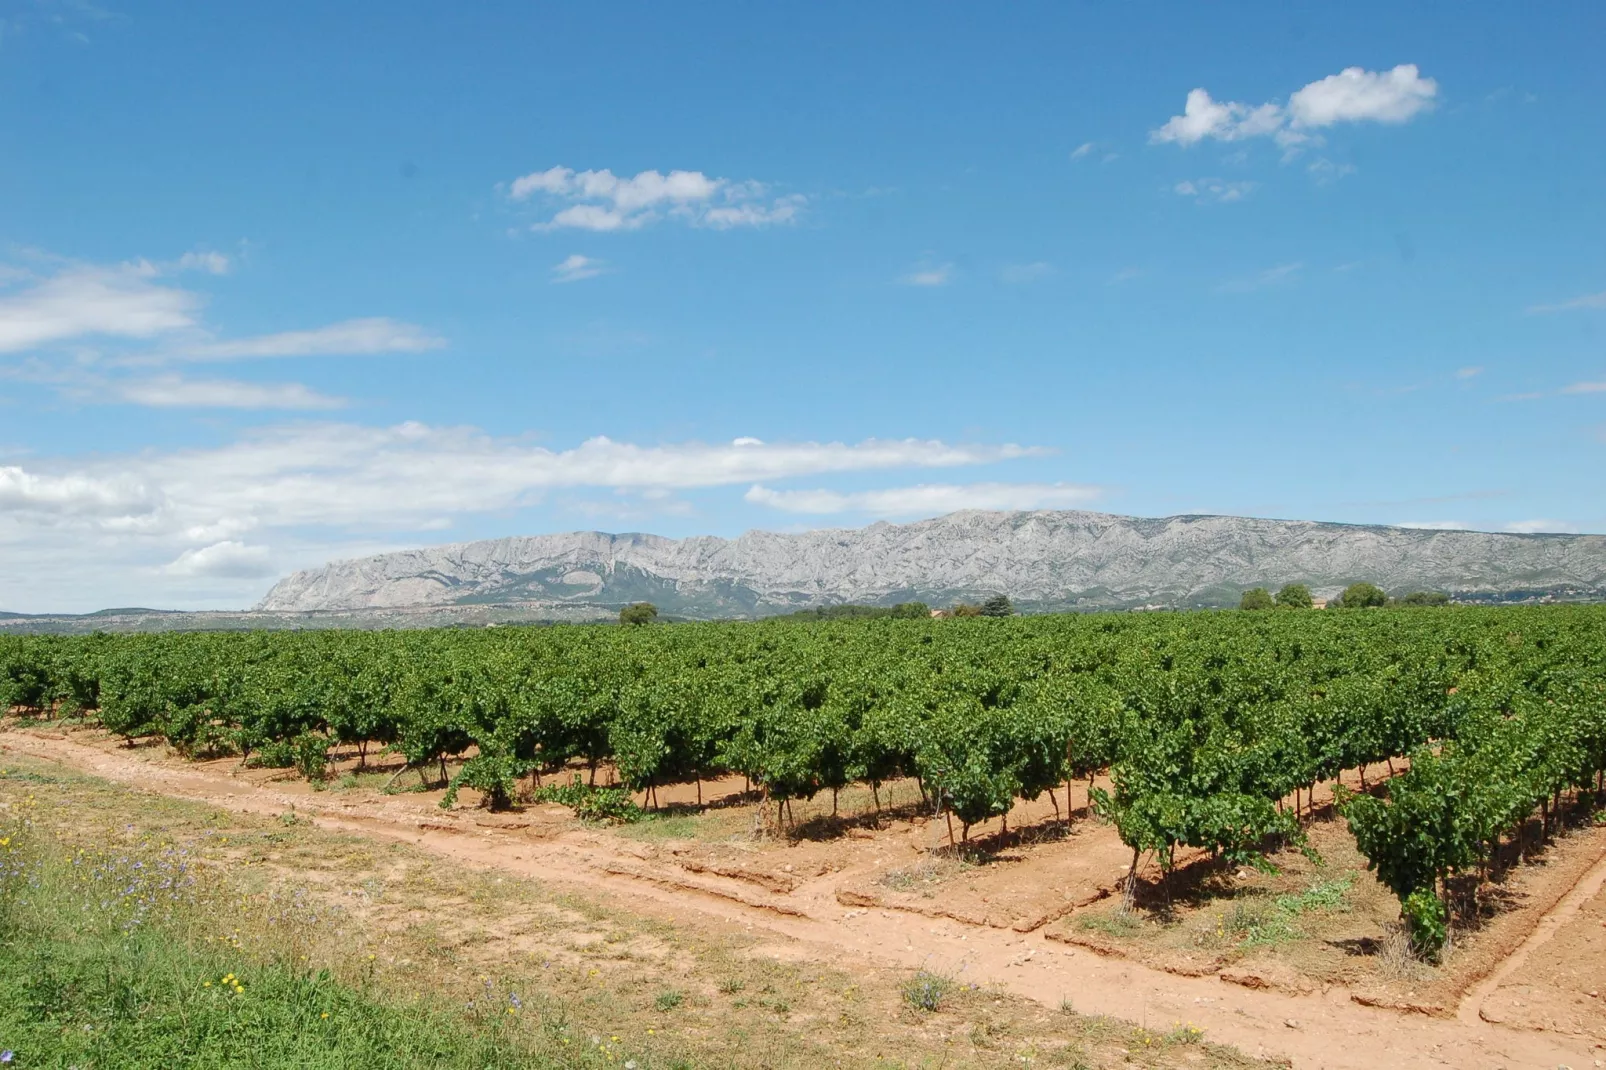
610, 806
731, 985
668, 1000
925, 990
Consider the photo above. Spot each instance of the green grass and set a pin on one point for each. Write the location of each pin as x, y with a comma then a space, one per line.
126, 958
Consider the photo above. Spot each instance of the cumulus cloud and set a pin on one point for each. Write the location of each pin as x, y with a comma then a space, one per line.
603, 201
577, 267
81, 301
926, 499
1353, 95
1586, 301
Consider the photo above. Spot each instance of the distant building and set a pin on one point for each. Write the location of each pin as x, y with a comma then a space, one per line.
938, 614
1318, 603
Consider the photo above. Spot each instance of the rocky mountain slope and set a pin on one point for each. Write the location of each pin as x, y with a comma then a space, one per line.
1043, 560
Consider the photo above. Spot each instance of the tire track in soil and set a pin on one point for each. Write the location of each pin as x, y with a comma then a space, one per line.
1322, 1031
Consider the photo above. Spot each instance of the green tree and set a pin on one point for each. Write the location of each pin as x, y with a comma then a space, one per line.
1294, 596
911, 611
998, 605
1362, 596
638, 613
1256, 599
1425, 598
965, 609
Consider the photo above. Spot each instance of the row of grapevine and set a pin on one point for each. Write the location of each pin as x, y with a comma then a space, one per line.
1205, 722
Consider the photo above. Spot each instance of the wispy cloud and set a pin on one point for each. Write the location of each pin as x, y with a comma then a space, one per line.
209, 262
173, 392
1126, 274
1325, 171
603, 201
1471, 372
1017, 274
1086, 148
1214, 190
1586, 301
1538, 527
926, 499
577, 267
1272, 276
83, 301
377, 334
1584, 388
1353, 95
1434, 525
938, 275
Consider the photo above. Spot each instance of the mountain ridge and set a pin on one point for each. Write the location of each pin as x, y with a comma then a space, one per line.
1043, 559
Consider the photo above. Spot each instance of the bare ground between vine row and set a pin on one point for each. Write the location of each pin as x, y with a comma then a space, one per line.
1031, 911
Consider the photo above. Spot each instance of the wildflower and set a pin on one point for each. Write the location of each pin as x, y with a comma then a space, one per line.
7, 1055
325, 1014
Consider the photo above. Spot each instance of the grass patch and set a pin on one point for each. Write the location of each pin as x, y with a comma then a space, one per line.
104, 962
925, 991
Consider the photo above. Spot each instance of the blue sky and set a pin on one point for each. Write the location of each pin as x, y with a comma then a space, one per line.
281, 283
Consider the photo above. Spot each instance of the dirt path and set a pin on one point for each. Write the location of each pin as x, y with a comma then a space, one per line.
1324, 1031
1471, 1008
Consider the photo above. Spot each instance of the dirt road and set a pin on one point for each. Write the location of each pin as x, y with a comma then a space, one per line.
1323, 1031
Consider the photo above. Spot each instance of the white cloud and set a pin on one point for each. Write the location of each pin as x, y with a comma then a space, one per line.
1586, 301
926, 499
1536, 527
576, 267
211, 263
83, 531
1355, 95
1352, 95
941, 275
73, 494
1584, 388
1215, 190
1325, 171
1023, 273
1471, 372
603, 201
395, 477
1272, 276
1434, 525
349, 337
1084, 149
1126, 274
172, 391
228, 560
119, 302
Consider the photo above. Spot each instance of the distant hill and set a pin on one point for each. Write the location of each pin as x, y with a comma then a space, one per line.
1044, 561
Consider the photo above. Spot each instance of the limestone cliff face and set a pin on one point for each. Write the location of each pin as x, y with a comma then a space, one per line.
1044, 559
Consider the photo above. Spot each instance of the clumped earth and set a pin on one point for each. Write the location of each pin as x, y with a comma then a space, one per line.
570, 980
853, 933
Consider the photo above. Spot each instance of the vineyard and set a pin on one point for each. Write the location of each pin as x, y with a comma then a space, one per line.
1214, 729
